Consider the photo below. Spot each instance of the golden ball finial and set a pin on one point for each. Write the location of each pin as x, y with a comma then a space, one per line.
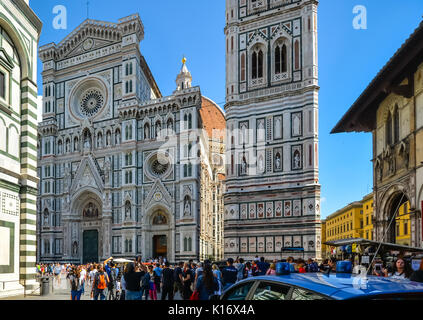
184, 60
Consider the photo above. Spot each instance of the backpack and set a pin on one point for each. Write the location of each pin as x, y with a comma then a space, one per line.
101, 281
244, 272
112, 279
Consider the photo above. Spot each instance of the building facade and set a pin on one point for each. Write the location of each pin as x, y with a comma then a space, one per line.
19, 34
391, 108
123, 170
272, 198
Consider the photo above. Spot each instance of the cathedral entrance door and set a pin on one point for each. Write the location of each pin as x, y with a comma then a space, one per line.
90, 246
159, 246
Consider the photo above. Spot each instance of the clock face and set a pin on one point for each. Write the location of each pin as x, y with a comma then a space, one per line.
91, 102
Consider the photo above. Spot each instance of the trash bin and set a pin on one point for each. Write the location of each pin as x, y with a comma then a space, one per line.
45, 286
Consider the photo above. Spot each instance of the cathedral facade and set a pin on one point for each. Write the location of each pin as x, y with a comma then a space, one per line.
272, 198
125, 171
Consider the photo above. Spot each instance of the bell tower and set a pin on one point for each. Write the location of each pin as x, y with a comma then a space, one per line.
272, 198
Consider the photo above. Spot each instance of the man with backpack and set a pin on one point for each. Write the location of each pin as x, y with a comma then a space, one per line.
100, 284
111, 285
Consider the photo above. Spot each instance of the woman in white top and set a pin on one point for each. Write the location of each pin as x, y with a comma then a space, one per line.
400, 270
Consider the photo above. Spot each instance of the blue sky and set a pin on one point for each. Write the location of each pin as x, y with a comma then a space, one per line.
348, 60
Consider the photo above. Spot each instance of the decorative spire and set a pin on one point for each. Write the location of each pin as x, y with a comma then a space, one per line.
184, 79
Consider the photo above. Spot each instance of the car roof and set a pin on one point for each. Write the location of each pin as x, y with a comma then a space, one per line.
345, 286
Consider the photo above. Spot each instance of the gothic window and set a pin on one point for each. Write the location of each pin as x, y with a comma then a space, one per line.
396, 124
128, 177
189, 244
128, 159
185, 244
257, 64
128, 132
297, 54
388, 130
281, 58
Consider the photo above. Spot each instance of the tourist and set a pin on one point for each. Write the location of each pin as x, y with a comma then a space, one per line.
74, 279
262, 266
272, 270
186, 282
218, 275
145, 284
157, 278
178, 281
132, 282
153, 289
206, 284
167, 279
100, 284
401, 270
229, 274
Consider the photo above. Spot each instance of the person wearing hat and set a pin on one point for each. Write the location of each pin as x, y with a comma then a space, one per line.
229, 274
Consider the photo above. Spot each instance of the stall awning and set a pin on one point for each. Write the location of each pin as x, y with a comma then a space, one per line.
365, 242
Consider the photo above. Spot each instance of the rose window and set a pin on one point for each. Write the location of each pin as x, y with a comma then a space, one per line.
158, 167
91, 102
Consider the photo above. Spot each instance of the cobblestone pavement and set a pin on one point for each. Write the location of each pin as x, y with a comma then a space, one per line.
61, 291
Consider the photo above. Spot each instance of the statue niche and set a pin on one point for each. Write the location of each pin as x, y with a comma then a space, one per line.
90, 211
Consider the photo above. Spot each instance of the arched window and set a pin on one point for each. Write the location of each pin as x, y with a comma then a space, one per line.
396, 125
388, 130
189, 244
257, 64
280, 58
128, 132
185, 244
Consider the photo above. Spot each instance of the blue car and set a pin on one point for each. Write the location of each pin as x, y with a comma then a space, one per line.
320, 286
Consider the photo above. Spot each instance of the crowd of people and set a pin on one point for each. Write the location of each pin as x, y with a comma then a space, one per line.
205, 280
